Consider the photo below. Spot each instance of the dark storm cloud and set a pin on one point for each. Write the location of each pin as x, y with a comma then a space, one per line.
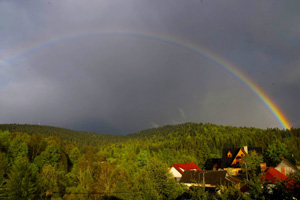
122, 83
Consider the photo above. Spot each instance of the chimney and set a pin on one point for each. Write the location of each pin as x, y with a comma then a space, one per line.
246, 149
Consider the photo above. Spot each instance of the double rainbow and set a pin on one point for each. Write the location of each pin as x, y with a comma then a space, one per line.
279, 116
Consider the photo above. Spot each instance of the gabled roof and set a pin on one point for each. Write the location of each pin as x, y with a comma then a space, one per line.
273, 176
208, 176
185, 166
288, 164
242, 150
226, 161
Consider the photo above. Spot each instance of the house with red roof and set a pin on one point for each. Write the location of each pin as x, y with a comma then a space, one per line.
273, 176
177, 170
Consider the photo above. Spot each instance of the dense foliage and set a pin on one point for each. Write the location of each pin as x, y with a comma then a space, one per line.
41, 161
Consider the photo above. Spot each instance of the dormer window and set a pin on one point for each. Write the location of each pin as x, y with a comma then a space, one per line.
229, 154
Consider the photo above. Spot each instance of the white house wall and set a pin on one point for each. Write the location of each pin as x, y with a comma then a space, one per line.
175, 173
288, 169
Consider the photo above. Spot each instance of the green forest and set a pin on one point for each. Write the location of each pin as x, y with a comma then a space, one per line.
44, 162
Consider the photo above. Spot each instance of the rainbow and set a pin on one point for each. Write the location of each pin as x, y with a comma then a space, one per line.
279, 116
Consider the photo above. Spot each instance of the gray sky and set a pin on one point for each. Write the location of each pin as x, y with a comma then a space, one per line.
107, 71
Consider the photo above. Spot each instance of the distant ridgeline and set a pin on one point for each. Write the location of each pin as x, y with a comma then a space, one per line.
67, 135
181, 136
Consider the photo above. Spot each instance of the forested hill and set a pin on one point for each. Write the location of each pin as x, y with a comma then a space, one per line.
216, 136
37, 161
171, 136
70, 136
192, 129
192, 136
186, 129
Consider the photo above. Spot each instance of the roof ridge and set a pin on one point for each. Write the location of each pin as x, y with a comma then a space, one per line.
288, 163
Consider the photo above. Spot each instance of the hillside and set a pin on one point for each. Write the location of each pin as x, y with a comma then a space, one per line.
187, 137
193, 130
76, 137
80, 164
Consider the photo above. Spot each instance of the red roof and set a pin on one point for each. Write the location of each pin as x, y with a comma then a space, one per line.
272, 175
185, 166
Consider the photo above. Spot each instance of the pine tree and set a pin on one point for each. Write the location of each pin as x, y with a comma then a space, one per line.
22, 182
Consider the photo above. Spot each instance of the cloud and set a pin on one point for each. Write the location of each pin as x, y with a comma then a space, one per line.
110, 83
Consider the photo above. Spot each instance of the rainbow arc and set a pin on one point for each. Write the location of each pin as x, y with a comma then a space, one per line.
272, 107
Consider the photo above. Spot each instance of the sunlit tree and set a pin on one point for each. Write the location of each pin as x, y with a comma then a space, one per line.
275, 152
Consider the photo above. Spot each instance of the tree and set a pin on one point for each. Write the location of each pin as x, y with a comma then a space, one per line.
124, 183
251, 164
197, 193
142, 158
232, 193
166, 155
275, 152
36, 145
103, 177
5, 139
203, 153
257, 189
3, 171
18, 147
157, 183
74, 155
22, 182
51, 156
48, 179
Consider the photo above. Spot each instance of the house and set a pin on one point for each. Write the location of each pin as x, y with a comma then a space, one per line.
178, 169
232, 158
286, 168
208, 178
273, 176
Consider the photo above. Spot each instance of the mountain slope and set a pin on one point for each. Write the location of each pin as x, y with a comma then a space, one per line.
77, 137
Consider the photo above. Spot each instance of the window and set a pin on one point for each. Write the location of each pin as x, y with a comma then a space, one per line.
229, 154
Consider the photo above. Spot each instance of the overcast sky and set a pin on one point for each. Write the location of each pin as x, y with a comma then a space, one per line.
107, 71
